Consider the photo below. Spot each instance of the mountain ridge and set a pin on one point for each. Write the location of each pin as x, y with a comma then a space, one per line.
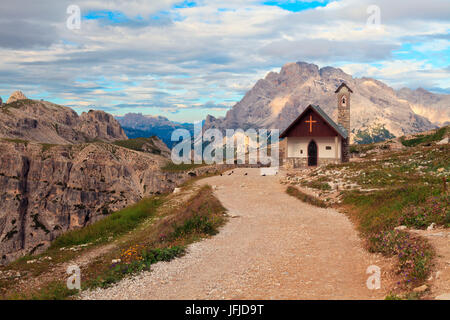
276, 100
137, 125
46, 122
60, 171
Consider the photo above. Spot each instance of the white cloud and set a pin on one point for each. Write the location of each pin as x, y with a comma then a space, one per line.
203, 53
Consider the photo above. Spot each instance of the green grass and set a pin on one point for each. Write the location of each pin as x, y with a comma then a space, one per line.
378, 214
435, 209
392, 296
306, 197
113, 225
414, 254
147, 257
317, 184
203, 225
382, 210
421, 139
410, 193
172, 167
167, 239
404, 187
140, 144
47, 146
18, 141
55, 290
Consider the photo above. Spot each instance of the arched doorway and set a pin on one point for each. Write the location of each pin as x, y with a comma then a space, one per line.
312, 154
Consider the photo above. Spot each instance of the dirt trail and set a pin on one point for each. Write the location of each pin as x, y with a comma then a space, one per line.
275, 247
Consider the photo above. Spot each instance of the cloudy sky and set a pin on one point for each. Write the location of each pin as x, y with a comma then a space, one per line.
187, 59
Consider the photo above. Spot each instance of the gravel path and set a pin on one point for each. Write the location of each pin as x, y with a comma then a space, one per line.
439, 281
275, 247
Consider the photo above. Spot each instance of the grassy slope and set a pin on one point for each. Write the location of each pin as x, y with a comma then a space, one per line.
396, 188
172, 167
143, 235
305, 197
138, 144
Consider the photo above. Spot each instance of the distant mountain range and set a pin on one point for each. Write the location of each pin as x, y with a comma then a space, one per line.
377, 111
137, 125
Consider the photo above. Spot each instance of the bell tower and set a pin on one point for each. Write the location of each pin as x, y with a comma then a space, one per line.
343, 98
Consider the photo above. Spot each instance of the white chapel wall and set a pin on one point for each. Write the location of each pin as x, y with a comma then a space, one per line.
295, 145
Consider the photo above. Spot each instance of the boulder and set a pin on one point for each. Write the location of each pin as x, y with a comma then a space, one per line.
176, 190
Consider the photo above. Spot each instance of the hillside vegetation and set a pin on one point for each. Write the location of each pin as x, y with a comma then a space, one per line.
127, 242
150, 145
389, 188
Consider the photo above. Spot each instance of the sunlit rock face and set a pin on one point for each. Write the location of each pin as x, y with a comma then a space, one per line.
60, 171
47, 122
276, 100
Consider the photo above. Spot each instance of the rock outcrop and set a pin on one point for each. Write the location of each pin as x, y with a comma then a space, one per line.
47, 122
46, 190
275, 101
100, 125
60, 171
16, 96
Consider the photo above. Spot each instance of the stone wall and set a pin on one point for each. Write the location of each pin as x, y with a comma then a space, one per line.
296, 163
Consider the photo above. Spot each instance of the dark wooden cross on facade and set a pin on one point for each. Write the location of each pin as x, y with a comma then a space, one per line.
310, 121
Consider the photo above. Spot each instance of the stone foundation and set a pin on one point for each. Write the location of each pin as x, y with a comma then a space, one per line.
295, 163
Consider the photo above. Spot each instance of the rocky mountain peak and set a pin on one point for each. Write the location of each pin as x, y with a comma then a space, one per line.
280, 97
334, 73
17, 95
299, 71
101, 125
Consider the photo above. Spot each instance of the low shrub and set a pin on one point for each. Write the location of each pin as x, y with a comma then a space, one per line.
435, 210
306, 197
142, 262
196, 225
438, 135
172, 167
414, 254
115, 224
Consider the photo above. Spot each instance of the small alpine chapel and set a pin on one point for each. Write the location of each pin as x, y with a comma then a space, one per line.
315, 139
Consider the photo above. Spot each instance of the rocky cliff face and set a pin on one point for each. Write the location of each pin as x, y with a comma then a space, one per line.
60, 171
275, 101
16, 96
435, 107
46, 190
100, 125
47, 122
